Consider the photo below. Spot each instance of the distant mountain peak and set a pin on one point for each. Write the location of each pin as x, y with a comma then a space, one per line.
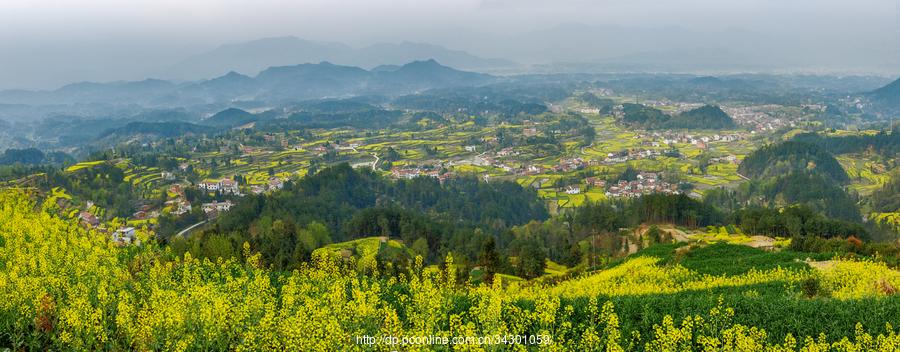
427, 62
421, 65
252, 57
232, 76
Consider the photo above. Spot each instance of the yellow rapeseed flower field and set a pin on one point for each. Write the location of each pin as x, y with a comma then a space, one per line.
63, 287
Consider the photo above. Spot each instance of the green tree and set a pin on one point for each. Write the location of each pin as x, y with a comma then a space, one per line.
489, 259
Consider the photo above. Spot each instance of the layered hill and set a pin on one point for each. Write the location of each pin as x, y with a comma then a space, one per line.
279, 83
257, 55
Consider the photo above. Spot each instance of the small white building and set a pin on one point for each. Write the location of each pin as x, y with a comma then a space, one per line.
229, 186
217, 207
208, 186
125, 235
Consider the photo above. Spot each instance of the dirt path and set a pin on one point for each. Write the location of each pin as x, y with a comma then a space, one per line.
762, 242
821, 264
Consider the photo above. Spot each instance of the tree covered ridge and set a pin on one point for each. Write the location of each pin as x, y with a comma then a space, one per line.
704, 117
783, 158
887, 144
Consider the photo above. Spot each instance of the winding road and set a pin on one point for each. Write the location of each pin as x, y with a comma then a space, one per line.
189, 228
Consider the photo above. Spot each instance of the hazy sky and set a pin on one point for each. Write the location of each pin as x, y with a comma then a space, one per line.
45, 43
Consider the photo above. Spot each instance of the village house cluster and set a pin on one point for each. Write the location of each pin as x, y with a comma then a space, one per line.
758, 120
671, 138
226, 186
273, 184
630, 154
646, 183
179, 204
571, 164
125, 235
413, 172
214, 208
328, 146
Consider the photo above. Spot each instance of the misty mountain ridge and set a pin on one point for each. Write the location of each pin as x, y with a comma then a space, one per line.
257, 55
888, 96
296, 82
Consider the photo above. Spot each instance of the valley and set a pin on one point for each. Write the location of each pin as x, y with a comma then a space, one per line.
618, 213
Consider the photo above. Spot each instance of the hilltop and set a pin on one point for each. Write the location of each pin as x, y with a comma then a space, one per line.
796, 173
230, 117
783, 158
704, 117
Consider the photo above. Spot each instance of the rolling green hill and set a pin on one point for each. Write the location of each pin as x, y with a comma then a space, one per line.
704, 117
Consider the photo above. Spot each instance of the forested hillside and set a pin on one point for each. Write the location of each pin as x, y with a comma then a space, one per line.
784, 158
704, 117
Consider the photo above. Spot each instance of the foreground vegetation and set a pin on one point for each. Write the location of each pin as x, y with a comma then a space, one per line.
67, 288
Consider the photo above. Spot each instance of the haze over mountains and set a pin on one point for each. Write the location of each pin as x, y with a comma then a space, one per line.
295, 82
47, 44
254, 56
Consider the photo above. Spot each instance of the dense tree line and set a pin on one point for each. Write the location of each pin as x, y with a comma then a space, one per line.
887, 199
794, 221
796, 188
33, 156
887, 144
456, 216
162, 129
